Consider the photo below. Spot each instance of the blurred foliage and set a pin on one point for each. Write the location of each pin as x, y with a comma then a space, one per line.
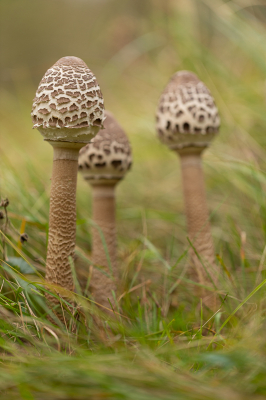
162, 347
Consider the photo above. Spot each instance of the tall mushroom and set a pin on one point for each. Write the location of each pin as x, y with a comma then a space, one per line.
103, 163
187, 120
68, 110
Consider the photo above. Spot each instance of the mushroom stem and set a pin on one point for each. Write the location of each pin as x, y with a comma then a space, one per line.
198, 221
62, 216
103, 251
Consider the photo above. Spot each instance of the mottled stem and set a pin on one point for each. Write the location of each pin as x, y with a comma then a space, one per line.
62, 216
198, 221
103, 279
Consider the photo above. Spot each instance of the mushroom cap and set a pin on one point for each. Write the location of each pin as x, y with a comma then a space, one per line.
68, 104
187, 115
107, 158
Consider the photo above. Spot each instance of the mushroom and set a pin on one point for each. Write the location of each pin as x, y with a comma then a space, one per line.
68, 110
187, 120
103, 163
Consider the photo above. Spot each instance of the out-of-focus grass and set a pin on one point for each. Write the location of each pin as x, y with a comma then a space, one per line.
157, 345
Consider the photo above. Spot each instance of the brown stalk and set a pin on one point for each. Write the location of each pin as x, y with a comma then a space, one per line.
62, 217
198, 222
104, 250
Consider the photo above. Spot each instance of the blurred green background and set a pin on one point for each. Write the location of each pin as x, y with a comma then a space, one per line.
133, 47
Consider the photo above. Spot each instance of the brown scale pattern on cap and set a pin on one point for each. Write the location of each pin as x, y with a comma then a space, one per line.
187, 115
68, 96
108, 155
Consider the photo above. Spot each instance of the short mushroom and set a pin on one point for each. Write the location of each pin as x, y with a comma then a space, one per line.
103, 163
187, 120
68, 110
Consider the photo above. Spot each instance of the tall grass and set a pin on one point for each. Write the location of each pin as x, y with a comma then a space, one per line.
160, 342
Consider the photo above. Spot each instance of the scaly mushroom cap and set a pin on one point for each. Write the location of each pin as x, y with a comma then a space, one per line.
107, 158
187, 115
68, 96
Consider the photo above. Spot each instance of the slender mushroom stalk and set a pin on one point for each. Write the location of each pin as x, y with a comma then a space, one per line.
103, 163
187, 120
68, 110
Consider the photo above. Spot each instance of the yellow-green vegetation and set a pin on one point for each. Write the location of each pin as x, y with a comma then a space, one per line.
161, 343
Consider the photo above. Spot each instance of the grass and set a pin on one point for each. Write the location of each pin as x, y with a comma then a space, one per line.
160, 343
